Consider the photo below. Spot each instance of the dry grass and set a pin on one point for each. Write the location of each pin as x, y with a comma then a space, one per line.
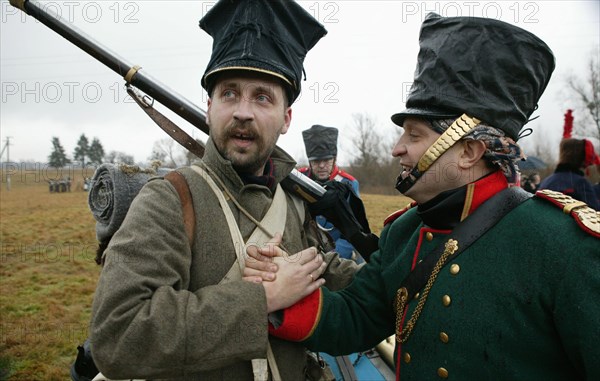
378, 207
47, 279
48, 276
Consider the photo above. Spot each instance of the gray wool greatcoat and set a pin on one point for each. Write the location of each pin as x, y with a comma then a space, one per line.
158, 312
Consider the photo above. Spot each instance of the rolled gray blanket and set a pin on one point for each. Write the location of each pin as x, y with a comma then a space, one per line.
113, 188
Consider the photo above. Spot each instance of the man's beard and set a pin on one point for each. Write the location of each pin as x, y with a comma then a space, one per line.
251, 164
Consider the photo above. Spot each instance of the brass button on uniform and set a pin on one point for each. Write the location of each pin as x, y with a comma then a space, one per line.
444, 337
402, 293
454, 269
417, 295
446, 300
442, 372
429, 236
406, 357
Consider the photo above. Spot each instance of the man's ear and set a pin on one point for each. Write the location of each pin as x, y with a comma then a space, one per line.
208, 111
287, 120
473, 151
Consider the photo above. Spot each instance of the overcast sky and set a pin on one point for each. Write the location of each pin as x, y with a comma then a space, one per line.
364, 65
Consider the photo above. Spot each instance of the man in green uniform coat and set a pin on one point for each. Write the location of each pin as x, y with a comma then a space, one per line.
476, 280
166, 308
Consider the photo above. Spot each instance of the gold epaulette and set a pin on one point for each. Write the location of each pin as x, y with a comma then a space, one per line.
587, 218
392, 217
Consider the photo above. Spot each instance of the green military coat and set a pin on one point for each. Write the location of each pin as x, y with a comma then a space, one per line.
521, 303
158, 312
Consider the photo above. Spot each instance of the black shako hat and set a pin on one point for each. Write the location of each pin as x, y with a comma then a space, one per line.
267, 36
488, 69
320, 142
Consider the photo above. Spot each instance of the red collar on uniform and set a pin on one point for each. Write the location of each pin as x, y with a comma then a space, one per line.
446, 210
449, 208
481, 190
334, 172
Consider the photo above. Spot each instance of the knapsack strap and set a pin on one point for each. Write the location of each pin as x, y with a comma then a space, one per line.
187, 205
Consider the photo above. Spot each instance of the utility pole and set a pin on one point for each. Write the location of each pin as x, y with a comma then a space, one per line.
6, 145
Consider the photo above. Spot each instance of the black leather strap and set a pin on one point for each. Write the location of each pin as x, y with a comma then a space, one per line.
467, 232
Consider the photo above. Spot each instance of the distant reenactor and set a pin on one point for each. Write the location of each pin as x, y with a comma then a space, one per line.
320, 143
569, 176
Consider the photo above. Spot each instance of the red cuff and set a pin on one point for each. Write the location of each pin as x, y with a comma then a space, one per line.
300, 320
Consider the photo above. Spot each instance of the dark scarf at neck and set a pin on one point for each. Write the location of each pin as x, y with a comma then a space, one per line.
446, 210
266, 179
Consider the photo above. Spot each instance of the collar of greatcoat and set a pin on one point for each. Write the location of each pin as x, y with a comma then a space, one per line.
282, 162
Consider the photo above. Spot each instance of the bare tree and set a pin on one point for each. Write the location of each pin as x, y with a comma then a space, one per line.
366, 141
373, 164
118, 157
587, 94
165, 151
538, 147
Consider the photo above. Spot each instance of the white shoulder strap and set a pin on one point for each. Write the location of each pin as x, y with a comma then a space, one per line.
236, 235
274, 219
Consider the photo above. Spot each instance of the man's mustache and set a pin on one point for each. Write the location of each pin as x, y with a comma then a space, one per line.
241, 128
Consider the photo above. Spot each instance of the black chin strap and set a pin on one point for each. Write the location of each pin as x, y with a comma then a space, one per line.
402, 185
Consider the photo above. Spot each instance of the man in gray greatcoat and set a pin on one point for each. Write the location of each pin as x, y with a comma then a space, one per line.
166, 310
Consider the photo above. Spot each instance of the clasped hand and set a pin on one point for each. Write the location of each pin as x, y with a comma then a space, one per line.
286, 278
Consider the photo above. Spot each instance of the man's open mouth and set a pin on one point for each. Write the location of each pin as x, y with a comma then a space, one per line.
406, 169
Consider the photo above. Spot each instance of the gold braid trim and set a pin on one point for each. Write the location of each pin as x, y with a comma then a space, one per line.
459, 128
588, 218
402, 295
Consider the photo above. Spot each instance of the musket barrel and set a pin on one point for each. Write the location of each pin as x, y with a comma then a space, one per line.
175, 102
143, 81
167, 97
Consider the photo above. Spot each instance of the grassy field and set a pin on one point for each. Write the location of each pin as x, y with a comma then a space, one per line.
48, 275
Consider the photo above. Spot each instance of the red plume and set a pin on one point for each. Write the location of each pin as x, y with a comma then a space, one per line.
590, 155
568, 127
